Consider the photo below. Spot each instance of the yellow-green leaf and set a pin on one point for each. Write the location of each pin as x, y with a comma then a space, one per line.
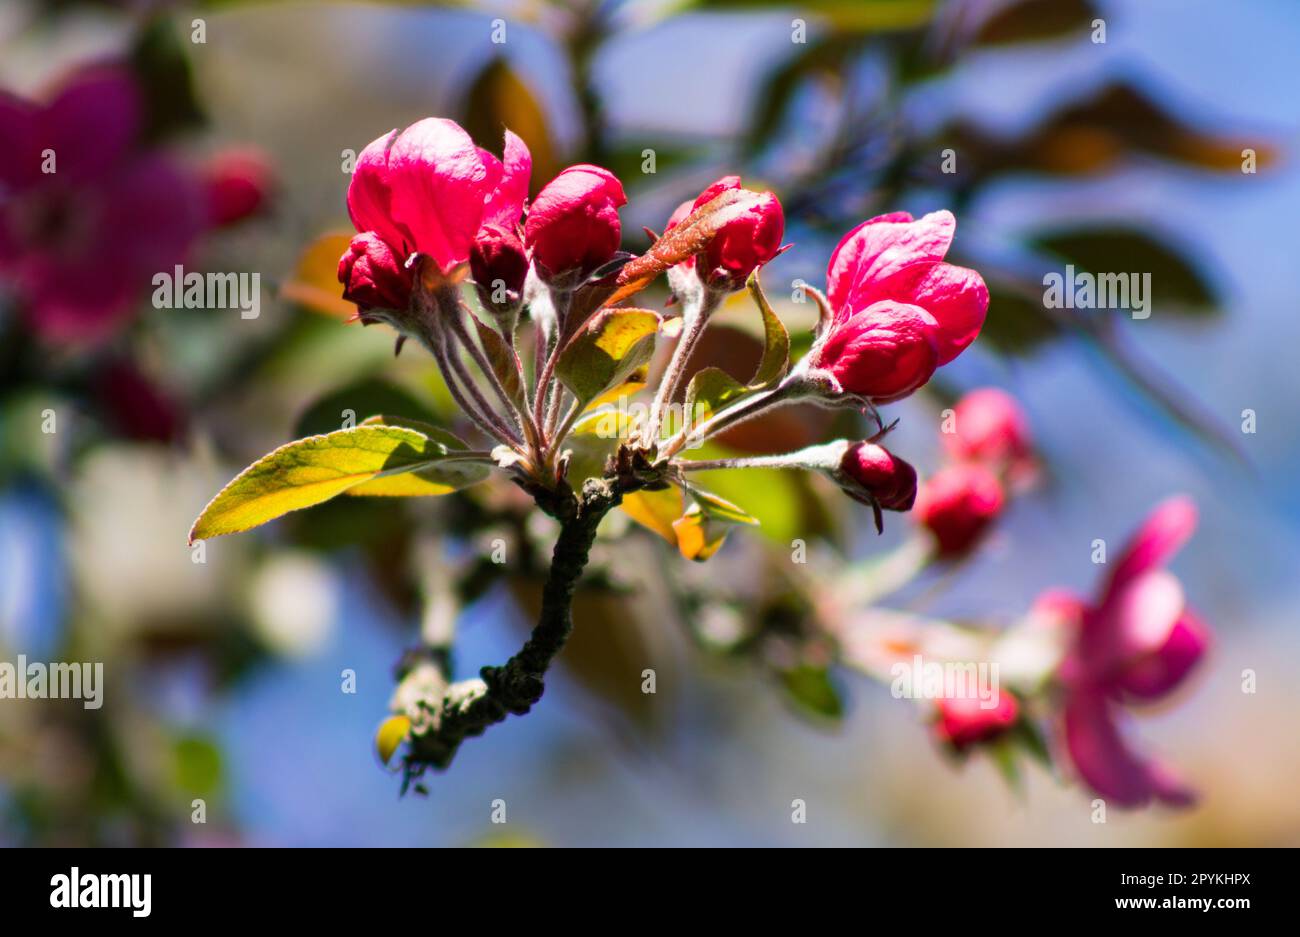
313, 470
776, 340
606, 351
392, 732
703, 528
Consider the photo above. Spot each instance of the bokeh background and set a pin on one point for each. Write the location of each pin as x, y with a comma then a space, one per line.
223, 678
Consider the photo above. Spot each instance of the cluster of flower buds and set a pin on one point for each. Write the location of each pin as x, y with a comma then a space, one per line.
431, 208
987, 438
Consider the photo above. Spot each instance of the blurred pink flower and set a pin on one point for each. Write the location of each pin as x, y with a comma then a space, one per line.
957, 504
1138, 642
964, 721
89, 214
990, 427
898, 311
238, 181
428, 190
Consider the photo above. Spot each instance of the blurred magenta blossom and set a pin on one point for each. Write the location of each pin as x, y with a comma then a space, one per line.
91, 211
1135, 644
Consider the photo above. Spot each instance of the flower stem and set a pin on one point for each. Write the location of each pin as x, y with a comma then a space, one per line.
695, 317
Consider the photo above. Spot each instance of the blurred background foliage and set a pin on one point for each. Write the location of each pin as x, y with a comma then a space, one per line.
224, 675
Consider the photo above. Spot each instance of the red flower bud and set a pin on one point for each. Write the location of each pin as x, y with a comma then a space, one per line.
499, 266
743, 244
957, 505
963, 721
238, 184
373, 276
884, 352
573, 223
877, 474
991, 428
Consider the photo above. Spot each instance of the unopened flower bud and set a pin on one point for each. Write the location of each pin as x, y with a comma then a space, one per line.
873, 475
573, 223
499, 265
238, 183
373, 276
965, 721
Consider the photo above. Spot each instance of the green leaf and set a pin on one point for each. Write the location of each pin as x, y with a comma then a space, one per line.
503, 359
811, 690
703, 528
606, 351
316, 469
708, 390
1176, 283
776, 340
441, 478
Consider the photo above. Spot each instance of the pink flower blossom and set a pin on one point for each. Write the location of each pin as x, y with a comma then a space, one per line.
89, 214
428, 190
1137, 643
898, 311
573, 223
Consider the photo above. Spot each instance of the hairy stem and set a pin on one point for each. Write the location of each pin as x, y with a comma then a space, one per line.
694, 319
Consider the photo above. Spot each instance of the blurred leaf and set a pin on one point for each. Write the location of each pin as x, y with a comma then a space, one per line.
606, 351
828, 56
314, 283
811, 690
1016, 324
855, 15
1036, 20
159, 58
197, 765
655, 510
392, 732
1093, 135
703, 528
358, 401
498, 100
309, 471
1176, 283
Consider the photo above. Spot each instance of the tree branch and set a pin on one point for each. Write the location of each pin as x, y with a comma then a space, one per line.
468, 708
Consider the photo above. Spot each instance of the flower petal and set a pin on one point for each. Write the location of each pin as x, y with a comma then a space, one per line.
510, 191
438, 187
1161, 535
878, 249
1100, 755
